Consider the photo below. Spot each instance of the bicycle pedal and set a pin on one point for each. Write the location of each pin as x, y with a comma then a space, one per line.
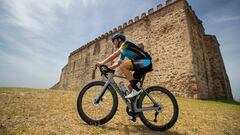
132, 118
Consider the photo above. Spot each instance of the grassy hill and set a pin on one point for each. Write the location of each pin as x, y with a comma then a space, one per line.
41, 111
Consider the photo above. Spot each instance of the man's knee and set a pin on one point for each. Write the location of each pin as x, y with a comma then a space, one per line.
123, 66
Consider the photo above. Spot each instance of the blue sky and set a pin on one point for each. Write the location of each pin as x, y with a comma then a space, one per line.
36, 37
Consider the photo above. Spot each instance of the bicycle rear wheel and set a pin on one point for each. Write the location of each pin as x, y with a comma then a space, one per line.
166, 116
97, 113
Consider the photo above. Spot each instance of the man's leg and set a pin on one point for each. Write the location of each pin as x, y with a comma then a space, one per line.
126, 71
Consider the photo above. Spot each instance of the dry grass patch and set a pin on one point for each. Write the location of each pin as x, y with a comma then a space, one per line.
41, 111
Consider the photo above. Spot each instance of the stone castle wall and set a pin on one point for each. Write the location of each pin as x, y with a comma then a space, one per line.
182, 53
218, 82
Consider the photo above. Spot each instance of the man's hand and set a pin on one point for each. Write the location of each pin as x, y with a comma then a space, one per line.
99, 64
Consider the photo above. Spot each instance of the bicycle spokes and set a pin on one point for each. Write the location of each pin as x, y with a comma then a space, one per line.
165, 112
97, 109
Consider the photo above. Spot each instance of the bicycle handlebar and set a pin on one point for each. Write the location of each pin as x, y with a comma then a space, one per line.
105, 69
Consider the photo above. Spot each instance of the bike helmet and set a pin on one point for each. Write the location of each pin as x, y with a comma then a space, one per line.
119, 35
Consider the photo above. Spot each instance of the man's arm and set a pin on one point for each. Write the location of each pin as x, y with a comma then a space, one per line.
116, 64
111, 57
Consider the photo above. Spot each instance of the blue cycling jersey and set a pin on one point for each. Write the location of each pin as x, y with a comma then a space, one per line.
132, 51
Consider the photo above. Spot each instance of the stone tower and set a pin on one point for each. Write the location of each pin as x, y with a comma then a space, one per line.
186, 61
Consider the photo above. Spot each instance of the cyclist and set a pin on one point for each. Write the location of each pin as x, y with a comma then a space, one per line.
138, 61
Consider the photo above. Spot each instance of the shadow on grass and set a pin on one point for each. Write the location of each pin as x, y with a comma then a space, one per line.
140, 129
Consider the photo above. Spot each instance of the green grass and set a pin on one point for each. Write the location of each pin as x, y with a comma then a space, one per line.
36, 111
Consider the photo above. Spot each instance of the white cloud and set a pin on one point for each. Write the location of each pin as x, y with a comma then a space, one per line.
33, 15
224, 18
25, 43
35, 39
86, 3
228, 18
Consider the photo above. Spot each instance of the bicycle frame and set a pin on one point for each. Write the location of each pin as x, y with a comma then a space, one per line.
131, 105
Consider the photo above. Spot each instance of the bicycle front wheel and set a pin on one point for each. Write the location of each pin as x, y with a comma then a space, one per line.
165, 116
97, 113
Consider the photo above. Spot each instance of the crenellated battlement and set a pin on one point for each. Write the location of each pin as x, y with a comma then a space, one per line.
125, 24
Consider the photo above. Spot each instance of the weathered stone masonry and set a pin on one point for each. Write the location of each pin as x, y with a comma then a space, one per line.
186, 60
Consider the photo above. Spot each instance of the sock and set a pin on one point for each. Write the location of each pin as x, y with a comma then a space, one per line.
134, 84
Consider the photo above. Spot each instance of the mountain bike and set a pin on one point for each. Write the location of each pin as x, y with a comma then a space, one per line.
97, 103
